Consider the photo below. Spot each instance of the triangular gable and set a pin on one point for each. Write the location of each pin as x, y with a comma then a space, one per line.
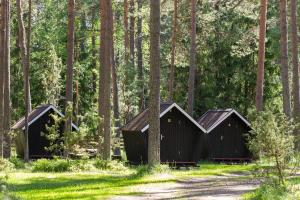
174, 105
228, 113
21, 123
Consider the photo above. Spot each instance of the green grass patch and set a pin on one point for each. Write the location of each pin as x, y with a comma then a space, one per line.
102, 184
270, 191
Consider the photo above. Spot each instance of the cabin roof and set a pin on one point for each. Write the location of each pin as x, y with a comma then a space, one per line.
36, 114
140, 122
212, 118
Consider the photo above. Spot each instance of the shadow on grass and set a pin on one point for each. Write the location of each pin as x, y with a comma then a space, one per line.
80, 187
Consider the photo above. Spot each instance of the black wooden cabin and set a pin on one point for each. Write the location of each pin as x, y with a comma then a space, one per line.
181, 137
37, 121
226, 135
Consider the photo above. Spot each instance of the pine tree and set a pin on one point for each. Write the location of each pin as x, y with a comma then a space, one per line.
261, 55
154, 107
140, 57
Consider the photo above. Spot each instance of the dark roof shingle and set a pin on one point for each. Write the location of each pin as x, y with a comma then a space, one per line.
141, 120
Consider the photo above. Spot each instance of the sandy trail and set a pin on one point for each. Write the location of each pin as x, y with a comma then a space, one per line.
225, 187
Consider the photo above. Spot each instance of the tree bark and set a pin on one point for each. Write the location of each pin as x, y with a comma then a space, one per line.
105, 75
69, 75
284, 59
191, 83
2, 66
261, 56
140, 57
126, 36
25, 64
154, 107
173, 52
295, 60
132, 30
7, 101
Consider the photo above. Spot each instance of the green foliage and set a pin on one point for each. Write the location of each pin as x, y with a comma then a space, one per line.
55, 165
5, 165
272, 140
157, 169
17, 162
109, 165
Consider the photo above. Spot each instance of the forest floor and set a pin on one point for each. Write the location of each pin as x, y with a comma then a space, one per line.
221, 187
209, 181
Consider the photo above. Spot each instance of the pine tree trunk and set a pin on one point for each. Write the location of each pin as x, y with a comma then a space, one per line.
154, 107
94, 50
295, 60
132, 30
25, 64
69, 78
261, 56
105, 76
2, 41
126, 36
7, 101
173, 52
191, 83
140, 57
284, 59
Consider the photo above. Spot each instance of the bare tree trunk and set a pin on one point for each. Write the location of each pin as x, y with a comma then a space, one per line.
126, 37
25, 64
140, 57
94, 51
191, 83
173, 52
7, 101
69, 78
261, 56
295, 60
132, 30
105, 75
154, 107
2, 66
284, 59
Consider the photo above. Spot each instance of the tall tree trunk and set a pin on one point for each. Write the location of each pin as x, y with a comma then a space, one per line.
132, 30
140, 57
126, 36
69, 78
295, 60
25, 64
2, 41
261, 56
173, 52
105, 75
191, 83
154, 107
7, 101
284, 59
94, 50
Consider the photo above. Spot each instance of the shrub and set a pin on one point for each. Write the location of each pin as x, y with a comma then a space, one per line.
82, 165
272, 140
55, 165
5, 165
109, 165
157, 169
18, 163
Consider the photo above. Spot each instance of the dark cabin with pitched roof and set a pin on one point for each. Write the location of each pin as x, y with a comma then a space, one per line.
226, 135
181, 137
37, 121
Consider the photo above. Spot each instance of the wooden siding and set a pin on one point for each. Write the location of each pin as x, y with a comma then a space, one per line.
228, 140
181, 140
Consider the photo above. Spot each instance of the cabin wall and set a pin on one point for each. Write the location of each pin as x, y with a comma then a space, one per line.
135, 144
228, 140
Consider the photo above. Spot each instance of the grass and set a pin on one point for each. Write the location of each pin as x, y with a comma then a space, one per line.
269, 191
101, 184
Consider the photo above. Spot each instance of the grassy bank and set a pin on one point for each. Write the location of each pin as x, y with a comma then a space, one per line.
25, 184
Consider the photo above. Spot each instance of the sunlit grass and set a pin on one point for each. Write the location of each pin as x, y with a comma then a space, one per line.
102, 184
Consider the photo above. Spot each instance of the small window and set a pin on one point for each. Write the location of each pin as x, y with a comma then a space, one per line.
222, 138
169, 120
42, 134
229, 124
179, 121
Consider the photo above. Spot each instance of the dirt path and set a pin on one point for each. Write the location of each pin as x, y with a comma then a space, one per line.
227, 187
